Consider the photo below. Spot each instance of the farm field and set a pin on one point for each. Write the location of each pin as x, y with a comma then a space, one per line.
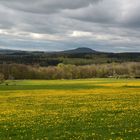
90, 109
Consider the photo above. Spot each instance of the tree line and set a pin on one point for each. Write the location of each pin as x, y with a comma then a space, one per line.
61, 71
45, 59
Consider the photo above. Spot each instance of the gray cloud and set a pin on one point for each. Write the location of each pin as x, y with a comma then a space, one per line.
108, 25
46, 6
111, 12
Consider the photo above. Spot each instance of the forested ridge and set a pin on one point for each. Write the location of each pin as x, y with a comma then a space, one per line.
78, 56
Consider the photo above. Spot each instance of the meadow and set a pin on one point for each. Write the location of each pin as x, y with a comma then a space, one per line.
90, 109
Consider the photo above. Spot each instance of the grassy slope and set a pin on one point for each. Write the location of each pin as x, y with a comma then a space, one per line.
70, 109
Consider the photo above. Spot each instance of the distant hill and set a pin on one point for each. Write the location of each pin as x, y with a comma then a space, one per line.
6, 51
73, 51
79, 50
18, 52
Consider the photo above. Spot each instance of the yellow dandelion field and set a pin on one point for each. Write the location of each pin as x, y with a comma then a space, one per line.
92, 109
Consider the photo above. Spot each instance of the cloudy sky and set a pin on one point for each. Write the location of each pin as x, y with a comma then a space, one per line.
53, 25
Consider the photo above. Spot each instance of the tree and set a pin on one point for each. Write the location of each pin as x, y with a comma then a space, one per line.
1, 78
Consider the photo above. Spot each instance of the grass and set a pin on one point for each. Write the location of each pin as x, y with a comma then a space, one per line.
100, 109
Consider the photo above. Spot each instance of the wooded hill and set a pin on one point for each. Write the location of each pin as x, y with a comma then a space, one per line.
79, 56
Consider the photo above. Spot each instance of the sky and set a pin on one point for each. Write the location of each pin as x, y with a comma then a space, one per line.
55, 25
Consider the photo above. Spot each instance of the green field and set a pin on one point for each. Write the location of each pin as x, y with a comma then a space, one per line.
91, 109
